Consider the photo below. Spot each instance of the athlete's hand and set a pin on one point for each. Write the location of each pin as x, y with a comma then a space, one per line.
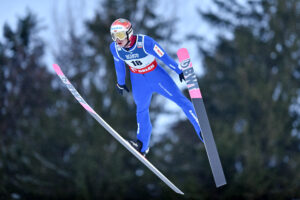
181, 77
121, 88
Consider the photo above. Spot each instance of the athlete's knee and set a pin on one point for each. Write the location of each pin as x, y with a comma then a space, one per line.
183, 102
142, 111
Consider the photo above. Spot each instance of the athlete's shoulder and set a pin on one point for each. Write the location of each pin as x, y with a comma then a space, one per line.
112, 46
148, 39
145, 38
150, 46
140, 35
149, 42
113, 49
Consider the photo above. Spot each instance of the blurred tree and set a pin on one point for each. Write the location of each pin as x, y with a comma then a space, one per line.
251, 92
28, 116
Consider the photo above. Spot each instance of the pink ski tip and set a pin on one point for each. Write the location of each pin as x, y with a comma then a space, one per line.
58, 70
182, 54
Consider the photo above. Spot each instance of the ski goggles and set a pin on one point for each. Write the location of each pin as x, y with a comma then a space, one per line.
121, 35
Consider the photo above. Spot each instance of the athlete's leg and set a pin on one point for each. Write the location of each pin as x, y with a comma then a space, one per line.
167, 87
142, 96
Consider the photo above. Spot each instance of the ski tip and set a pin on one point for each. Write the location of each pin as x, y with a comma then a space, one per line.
182, 54
182, 49
179, 192
57, 70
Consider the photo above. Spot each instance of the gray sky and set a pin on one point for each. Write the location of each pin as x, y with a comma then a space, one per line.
46, 10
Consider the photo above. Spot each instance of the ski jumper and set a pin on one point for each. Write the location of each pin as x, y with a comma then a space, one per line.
148, 77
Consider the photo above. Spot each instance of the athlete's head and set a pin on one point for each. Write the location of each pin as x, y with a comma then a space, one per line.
121, 32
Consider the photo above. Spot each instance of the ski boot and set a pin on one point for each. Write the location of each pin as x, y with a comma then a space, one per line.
137, 145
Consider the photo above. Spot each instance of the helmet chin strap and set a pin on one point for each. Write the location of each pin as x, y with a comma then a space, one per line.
133, 38
128, 42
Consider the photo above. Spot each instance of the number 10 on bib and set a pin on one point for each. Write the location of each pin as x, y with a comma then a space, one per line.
195, 94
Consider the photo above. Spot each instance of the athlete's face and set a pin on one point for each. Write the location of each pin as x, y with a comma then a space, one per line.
122, 43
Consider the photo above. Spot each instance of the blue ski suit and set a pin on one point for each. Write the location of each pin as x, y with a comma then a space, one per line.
148, 77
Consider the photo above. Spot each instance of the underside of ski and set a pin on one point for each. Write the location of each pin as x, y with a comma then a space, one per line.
195, 94
112, 131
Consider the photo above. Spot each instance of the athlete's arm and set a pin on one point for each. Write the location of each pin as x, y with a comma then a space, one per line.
119, 65
153, 48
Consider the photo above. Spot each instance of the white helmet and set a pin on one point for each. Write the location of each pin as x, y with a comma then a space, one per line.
121, 29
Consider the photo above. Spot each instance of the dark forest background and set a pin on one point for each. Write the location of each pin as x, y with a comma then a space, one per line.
50, 148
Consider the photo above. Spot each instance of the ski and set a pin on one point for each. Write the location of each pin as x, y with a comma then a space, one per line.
195, 94
119, 138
